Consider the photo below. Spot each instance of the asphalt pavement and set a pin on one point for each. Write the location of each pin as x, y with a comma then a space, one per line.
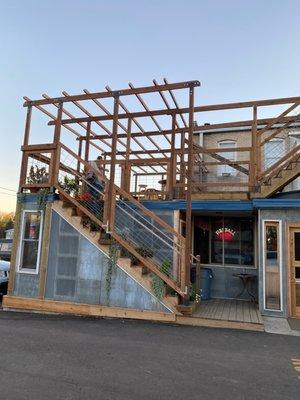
54, 357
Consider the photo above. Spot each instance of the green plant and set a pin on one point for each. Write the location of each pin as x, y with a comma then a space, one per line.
144, 251
42, 198
194, 295
69, 185
111, 266
158, 285
94, 226
37, 175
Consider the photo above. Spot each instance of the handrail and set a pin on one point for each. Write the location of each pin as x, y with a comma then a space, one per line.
123, 193
169, 244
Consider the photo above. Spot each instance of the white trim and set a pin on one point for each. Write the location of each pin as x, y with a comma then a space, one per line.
280, 262
232, 170
20, 251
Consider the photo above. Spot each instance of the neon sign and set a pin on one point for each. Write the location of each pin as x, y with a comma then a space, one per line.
225, 234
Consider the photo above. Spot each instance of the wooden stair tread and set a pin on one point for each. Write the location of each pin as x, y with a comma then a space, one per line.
285, 176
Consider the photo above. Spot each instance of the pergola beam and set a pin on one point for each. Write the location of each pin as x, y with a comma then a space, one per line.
201, 128
136, 123
185, 110
107, 112
122, 92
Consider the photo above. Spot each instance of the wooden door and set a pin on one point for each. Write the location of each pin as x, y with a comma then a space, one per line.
294, 275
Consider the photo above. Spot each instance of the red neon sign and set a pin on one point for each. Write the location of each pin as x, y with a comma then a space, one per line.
225, 234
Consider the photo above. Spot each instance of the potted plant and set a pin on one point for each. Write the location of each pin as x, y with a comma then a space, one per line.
85, 200
70, 186
144, 251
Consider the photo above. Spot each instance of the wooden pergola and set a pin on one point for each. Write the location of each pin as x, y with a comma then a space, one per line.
136, 142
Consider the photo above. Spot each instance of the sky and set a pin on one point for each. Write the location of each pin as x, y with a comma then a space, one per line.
238, 50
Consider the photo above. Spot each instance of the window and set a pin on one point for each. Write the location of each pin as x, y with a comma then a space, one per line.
30, 242
274, 150
224, 169
224, 241
272, 265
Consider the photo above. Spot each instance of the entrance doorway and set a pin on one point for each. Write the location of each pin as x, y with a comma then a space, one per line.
294, 270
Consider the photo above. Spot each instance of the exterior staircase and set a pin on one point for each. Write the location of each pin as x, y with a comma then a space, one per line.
280, 174
99, 239
135, 228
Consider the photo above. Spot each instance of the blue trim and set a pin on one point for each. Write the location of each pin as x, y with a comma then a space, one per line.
200, 205
32, 197
275, 203
225, 205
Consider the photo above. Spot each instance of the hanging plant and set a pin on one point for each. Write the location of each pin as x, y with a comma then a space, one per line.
158, 285
111, 266
42, 198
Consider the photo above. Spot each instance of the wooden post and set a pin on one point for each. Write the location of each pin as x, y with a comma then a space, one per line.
135, 182
110, 191
127, 165
44, 251
87, 142
78, 162
57, 129
56, 154
182, 164
172, 174
254, 153
188, 216
258, 149
25, 143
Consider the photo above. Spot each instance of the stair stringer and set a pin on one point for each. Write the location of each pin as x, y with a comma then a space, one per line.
123, 263
288, 175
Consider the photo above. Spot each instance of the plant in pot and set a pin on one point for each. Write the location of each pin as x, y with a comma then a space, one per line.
85, 199
144, 251
69, 186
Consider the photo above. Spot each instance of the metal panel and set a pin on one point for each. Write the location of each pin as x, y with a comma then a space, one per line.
77, 271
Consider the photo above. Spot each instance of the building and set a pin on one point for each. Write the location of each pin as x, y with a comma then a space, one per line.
116, 218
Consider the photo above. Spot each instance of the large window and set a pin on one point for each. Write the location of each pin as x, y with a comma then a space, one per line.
224, 169
272, 265
30, 242
224, 240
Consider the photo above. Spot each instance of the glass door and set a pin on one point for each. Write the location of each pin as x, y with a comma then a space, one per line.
272, 266
295, 271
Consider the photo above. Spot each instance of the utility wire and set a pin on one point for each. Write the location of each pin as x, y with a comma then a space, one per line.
10, 190
8, 194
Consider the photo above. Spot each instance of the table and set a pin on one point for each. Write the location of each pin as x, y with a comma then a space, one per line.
246, 280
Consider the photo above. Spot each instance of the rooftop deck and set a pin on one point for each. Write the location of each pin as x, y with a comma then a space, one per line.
138, 151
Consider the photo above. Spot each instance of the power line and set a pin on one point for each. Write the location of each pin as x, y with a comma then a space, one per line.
8, 194
10, 190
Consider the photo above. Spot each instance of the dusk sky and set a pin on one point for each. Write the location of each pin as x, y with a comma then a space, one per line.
238, 50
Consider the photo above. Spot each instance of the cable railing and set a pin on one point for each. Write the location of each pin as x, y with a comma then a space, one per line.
146, 237
278, 145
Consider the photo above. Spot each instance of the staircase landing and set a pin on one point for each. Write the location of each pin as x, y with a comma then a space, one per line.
229, 310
